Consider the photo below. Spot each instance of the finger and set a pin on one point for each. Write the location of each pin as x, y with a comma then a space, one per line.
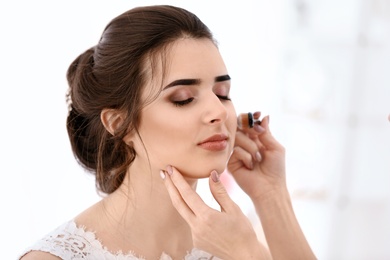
190, 197
249, 144
256, 115
177, 201
266, 138
242, 156
220, 194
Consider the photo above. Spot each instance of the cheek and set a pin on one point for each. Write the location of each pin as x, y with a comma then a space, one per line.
166, 138
231, 124
232, 119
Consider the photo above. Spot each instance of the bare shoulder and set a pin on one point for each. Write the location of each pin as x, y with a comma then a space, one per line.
39, 255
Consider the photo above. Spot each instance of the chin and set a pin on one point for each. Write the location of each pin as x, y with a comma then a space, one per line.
201, 172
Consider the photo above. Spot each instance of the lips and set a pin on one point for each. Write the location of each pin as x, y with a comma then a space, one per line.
216, 142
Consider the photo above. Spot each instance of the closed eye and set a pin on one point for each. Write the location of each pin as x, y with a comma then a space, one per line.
223, 97
183, 102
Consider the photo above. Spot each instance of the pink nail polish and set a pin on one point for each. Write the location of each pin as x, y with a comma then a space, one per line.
169, 170
258, 156
259, 128
162, 174
214, 176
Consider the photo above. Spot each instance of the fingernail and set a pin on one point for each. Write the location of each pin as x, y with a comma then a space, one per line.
258, 156
258, 128
162, 174
214, 176
169, 170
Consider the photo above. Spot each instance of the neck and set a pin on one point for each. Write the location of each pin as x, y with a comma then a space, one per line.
141, 210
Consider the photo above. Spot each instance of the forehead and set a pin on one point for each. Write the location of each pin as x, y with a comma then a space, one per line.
184, 58
194, 57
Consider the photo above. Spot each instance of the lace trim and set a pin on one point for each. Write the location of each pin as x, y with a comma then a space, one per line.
71, 242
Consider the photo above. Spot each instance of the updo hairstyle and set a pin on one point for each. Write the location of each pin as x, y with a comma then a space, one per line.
112, 75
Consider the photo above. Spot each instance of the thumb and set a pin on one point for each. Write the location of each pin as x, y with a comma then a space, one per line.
267, 138
220, 194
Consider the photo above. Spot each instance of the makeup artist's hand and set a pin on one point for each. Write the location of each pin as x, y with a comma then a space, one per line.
227, 234
258, 161
264, 181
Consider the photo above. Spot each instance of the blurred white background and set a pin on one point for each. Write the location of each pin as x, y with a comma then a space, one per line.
321, 69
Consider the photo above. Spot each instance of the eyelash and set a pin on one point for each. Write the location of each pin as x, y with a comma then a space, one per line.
187, 101
183, 102
223, 97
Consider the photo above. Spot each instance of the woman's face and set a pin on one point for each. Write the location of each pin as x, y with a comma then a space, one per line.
191, 125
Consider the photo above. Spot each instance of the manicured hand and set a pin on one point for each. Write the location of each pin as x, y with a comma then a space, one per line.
258, 161
227, 234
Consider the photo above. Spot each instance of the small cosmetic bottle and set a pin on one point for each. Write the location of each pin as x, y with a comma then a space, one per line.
246, 120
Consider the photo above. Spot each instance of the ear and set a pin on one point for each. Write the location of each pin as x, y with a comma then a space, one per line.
112, 119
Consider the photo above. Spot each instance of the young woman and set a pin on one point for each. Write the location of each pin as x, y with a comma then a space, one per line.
150, 114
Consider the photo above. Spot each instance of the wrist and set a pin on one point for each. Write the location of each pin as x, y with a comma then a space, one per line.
274, 196
282, 231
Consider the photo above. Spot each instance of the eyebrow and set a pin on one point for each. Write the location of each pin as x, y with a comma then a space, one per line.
190, 82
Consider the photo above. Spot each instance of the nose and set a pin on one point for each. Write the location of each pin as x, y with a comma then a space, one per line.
215, 110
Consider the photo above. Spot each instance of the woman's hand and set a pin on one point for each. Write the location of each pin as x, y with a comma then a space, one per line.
227, 234
264, 180
258, 161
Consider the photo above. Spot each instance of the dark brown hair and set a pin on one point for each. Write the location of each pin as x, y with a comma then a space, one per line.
112, 75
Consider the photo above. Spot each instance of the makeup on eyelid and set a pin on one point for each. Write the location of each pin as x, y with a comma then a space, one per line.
184, 96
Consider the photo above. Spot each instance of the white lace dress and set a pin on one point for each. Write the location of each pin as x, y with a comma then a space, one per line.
71, 242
